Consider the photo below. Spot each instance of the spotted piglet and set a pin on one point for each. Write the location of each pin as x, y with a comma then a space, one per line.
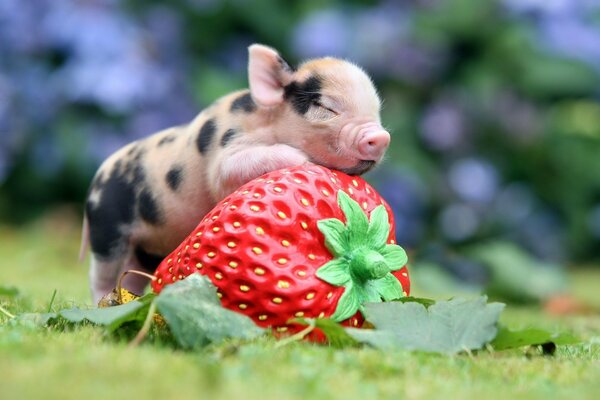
148, 196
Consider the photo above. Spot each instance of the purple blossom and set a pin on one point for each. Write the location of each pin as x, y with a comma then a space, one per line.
458, 222
519, 118
103, 140
407, 196
443, 126
325, 32
474, 180
377, 38
573, 38
514, 204
109, 62
546, 7
564, 26
543, 233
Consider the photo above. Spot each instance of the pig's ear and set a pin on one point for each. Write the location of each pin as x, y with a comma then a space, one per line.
268, 73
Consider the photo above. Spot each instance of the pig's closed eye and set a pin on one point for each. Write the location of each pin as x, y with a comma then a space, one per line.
323, 112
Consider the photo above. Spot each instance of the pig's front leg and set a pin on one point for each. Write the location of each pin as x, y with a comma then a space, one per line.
249, 163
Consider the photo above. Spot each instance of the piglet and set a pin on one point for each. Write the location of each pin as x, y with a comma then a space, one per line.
149, 195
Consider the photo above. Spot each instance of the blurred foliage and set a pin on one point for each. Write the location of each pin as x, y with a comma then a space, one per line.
493, 104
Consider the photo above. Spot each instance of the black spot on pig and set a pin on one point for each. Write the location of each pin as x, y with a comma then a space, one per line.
167, 139
107, 217
227, 136
148, 208
174, 177
148, 261
97, 182
243, 102
302, 95
205, 137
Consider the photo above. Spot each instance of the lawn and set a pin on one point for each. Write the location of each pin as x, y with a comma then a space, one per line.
84, 364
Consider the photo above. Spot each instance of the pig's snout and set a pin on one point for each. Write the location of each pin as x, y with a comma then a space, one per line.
372, 142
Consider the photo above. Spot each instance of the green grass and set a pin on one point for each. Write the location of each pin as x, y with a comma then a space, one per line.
82, 363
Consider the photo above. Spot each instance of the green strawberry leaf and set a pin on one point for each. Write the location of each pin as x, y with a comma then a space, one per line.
357, 223
196, 317
388, 287
335, 236
394, 256
335, 272
445, 327
511, 339
111, 317
348, 303
379, 228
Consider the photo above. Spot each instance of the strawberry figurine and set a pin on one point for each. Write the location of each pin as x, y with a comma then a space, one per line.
303, 241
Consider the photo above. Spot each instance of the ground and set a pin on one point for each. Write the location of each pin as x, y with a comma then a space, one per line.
84, 364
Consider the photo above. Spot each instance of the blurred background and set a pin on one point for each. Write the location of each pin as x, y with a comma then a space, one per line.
494, 167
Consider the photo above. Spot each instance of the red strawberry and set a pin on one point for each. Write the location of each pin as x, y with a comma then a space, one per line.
296, 242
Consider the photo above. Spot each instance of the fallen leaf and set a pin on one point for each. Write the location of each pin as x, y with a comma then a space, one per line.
196, 317
511, 339
444, 327
111, 317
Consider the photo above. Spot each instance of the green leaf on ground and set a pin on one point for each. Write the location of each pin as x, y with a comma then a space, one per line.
445, 327
9, 291
33, 320
111, 317
509, 339
196, 317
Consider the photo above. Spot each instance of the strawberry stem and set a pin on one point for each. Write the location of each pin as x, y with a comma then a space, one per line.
362, 260
120, 281
367, 264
